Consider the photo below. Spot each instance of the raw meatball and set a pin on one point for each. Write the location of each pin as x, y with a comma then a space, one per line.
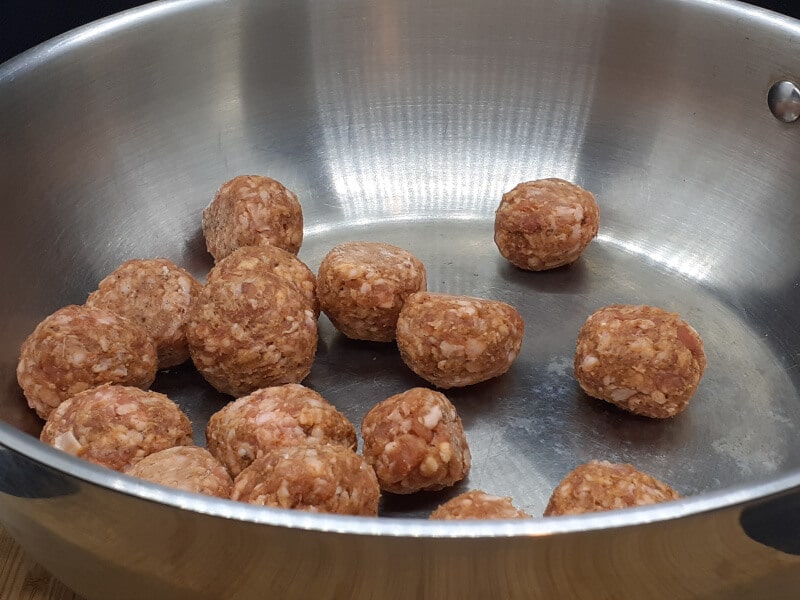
280, 262
250, 329
317, 478
640, 358
478, 505
415, 441
186, 468
80, 347
157, 295
453, 341
545, 224
250, 210
286, 415
363, 285
117, 426
601, 485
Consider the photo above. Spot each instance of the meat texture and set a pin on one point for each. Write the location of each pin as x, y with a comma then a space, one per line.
640, 358
117, 426
279, 262
273, 417
454, 341
316, 478
81, 347
250, 210
157, 295
477, 504
545, 224
415, 441
187, 468
600, 485
251, 329
363, 285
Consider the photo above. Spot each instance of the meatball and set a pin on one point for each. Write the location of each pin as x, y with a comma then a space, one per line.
317, 478
640, 358
280, 262
186, 468
286, 415
250, 329
250, 210
545, 224
453, 341
81, 347
415, 441
600, 485
363, 285
478, 505
156, 294
117, 426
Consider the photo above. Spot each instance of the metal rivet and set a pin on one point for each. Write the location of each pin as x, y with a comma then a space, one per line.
784, 101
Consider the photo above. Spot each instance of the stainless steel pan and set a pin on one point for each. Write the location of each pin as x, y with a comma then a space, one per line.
405, 122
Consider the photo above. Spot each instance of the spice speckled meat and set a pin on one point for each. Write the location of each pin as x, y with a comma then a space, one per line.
600, 485
415, 441
251, 210
187, 468
280, 262
640, 358
274, 417
117, 426
156, 294
318, 478
81, 347
363, 285
250, 329
545, 224
454, 341
477, 504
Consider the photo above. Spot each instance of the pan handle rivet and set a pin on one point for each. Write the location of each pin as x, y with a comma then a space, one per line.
784, 101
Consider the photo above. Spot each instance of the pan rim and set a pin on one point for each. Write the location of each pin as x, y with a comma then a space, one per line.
737, 496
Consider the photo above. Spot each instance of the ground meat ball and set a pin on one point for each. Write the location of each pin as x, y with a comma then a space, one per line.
363, 285
640, 358
80, 347
601, 485
545, 224
478, 505
415, 441
186, 468
157, 295
250, 329
117, 426
280, 416
453, 341
318, 478
279, 262
250, 210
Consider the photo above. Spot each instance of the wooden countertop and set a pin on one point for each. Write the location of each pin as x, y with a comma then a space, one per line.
23, 579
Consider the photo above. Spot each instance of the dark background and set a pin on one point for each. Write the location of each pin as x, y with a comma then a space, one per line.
25, 23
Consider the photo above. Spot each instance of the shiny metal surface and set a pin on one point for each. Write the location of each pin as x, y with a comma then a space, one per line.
405, 122
784, 101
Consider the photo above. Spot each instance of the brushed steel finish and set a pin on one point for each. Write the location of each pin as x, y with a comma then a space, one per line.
405, 123
784, 101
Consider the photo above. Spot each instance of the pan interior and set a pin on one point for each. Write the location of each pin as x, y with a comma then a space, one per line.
406, 126
529, 427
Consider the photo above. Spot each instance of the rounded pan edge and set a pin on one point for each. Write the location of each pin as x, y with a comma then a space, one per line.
29, 59
743, 494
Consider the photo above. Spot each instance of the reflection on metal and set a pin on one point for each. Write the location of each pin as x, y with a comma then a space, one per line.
401, 136
694, 265
784, 101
